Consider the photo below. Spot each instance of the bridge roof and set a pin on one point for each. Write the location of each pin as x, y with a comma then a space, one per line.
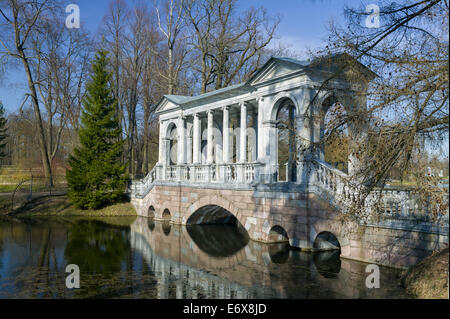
325, 63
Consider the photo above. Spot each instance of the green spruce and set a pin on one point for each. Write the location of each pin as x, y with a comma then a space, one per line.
96, 177
3, 131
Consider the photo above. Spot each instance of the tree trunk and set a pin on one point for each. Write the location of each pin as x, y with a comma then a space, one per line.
41, 132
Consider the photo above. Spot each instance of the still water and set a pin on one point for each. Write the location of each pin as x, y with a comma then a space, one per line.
140, 258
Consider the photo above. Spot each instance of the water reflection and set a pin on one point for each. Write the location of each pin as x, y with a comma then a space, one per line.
141, 258
218, 240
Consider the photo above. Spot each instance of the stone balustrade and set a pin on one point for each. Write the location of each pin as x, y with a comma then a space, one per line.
391, 203
236, 173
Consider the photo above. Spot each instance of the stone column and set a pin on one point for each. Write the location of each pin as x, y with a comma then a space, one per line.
305, 132
226, 135
189, 150
260, 135
243, 134
210, 145
181, 153
272, 141
196, 139
166, 147
254, 137
161, 143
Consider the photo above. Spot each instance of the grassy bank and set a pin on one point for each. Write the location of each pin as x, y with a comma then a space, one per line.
61, 206
429, 278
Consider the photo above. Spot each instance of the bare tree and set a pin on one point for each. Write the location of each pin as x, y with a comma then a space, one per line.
133, 65
22, 24
60, 69
113, 32
228, 43
408, 103
171, 26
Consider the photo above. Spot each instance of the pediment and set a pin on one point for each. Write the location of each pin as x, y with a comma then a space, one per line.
275, 68
165, 104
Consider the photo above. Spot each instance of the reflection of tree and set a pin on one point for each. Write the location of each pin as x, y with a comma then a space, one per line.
96, 248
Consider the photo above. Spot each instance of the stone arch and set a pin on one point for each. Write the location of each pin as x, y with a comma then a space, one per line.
151, 212
170, 125
216, 201
171, 137
166, 215
326, 240
282, 136
277, 234
330, 106
148, 203
278, 101
166, 205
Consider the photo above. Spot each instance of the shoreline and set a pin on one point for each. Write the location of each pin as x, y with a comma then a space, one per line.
60, 206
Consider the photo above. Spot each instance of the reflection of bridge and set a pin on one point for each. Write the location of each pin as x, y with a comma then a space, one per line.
188, 281
256, 270
220, 149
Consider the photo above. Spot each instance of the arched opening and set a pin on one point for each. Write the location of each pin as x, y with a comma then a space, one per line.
172, 144
166, 215
286, 144
216, 231
334, 134
212, 214
151, 212
277, 234
326, 241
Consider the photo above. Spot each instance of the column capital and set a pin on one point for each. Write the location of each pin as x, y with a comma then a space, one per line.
226, 108
243, 103
211, 111
260, 99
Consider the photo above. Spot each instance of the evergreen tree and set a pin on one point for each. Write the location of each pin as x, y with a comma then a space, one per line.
96, 178
3, 130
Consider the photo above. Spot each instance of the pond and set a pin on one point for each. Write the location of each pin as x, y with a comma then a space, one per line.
141, 258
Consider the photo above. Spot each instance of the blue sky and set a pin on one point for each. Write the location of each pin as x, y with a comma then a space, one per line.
303, 26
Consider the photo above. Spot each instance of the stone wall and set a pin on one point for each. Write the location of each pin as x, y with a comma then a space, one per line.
302, 215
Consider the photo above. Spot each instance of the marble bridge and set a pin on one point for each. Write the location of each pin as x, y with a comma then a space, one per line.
250, 154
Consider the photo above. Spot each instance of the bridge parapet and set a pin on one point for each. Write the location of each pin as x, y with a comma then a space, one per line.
387, 203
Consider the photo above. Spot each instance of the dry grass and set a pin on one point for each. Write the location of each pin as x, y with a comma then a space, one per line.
429, 278
61, 206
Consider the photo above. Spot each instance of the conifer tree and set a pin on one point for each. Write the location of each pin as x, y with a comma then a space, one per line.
96, 178
3, 131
